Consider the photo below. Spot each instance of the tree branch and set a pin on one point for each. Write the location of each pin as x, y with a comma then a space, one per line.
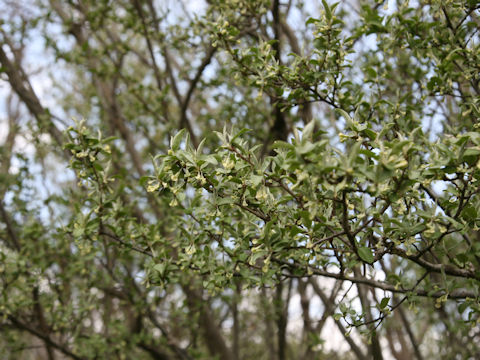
62, 348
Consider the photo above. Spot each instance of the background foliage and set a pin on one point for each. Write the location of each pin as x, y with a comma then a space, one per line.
246, 179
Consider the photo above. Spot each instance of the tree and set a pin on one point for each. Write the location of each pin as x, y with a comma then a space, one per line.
247, 178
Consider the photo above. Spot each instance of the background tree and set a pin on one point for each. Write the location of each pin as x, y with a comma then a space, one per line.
321, 200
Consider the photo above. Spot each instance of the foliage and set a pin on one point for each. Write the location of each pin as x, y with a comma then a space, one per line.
244, 176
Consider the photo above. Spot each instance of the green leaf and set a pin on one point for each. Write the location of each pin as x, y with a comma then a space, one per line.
472, 152
256, 180
306, 148
345, 115
225, 201
337, 316
240, 133
305, 215
282, 145
97, 166
308, 130
371, 72
462, 307
78, 231
200, 147
161, 267
372, 135
469, 213
365, 253
109, 139
176, 140
294, 230
384, 302
144, 179
328, 13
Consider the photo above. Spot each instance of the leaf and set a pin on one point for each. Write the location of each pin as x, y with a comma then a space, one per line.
461, 308
97, 166
200, 147
371, 72
294, 230
225, 201
384, 302
221, 136
161, 267
474, 151
78, 231
176, 140
110, 139
282, 145
144, 179
353, 153
307, 221
365, 253
256, 180
240, 133
306, 148
469, 213
328, 12
348, 119
372, 135
308, 130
